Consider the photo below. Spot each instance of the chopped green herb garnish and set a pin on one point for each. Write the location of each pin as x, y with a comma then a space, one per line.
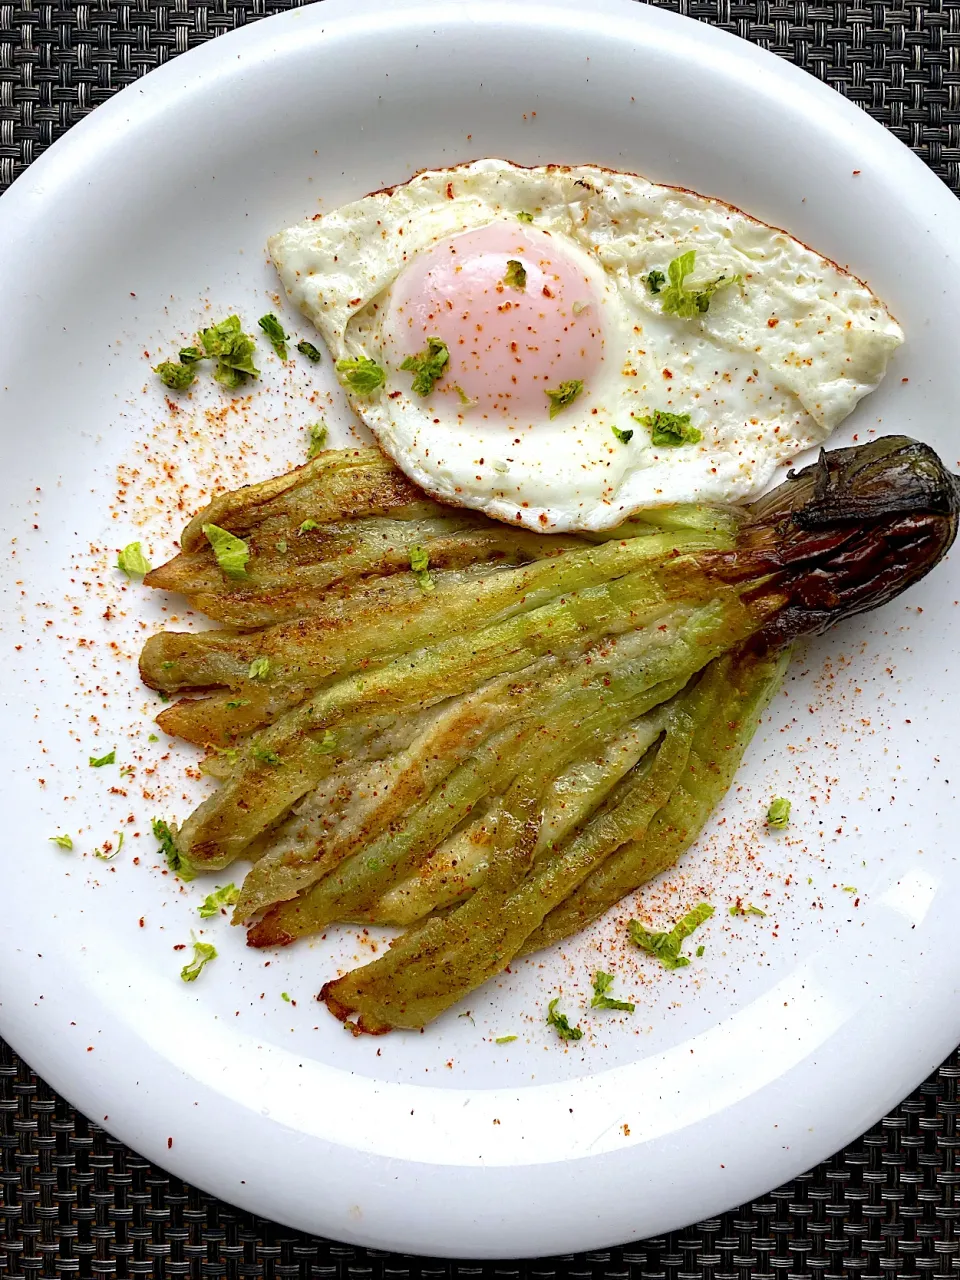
523, 216
666, 946
203, 953
175, 376
236, 703
362, 375
563, 395
108, 852
738, 909
419, 563
62, 842
778, 815
272, 327
152, 737
230, 754
463, 397
676, 299
172, 855
127, 771
285, 996
325, 744
655, 281
310, 351
515, 276
308, 526
427, 366
232, 553
263, 755
318, 439
560, 1023
214, 902
132, 561
190, 355
229, 377
259, 669
624, 436
669, 429
602, 982
97, 762
233, 351
849, 888
503, 1039
700, 950
282, 546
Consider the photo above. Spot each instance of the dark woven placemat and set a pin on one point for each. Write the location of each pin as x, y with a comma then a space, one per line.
75, 1202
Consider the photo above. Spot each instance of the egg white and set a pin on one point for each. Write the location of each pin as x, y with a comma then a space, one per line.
769, 370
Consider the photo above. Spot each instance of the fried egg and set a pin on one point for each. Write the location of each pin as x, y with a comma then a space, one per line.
560, 347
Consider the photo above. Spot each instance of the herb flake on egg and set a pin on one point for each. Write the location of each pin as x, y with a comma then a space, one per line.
515, 276
670, 429
362, 375
427, 367
563, 395
679, 300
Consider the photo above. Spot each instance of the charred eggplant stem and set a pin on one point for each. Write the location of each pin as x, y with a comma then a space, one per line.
846, 534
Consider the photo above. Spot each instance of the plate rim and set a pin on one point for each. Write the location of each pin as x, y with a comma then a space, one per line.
58, 166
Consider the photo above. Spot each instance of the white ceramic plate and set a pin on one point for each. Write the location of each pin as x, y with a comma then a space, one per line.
794, 1032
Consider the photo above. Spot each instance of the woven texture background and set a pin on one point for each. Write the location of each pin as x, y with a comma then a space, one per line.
74, 1202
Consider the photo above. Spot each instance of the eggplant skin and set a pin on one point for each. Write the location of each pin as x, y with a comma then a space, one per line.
845, 535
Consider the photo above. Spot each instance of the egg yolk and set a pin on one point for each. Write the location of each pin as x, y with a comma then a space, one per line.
512, 332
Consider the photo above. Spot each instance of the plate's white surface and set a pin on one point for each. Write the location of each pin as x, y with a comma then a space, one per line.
794, 1032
